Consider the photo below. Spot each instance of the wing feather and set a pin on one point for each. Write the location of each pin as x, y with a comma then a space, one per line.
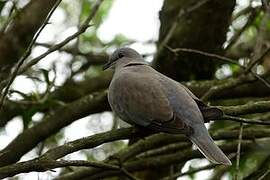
139, 98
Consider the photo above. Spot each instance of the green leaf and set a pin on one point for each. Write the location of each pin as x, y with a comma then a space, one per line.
46, 76
101, 14
27, 117
235, 68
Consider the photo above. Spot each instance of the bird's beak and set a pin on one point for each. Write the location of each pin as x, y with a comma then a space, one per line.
106, 66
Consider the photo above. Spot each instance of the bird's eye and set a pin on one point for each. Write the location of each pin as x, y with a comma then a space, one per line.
120, 55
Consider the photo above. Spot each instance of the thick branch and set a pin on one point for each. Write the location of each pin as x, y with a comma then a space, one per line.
152, 162
41, 165
45, 162
254, 89
54, 121
89, 142
249, 108
151, 143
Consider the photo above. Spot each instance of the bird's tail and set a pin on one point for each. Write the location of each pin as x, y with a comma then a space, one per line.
207, 146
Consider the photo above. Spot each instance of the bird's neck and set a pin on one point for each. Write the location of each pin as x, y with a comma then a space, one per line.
129, 62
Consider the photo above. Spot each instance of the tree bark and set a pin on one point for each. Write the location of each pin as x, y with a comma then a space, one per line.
204, 29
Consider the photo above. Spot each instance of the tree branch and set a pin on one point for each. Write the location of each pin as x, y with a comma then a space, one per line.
20, 32
41, 165
81, 30
51, 123
244, 120
47, 160
249, 108
238, 154
150, 163
26, 54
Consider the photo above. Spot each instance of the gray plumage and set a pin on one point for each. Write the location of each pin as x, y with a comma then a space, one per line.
142, 96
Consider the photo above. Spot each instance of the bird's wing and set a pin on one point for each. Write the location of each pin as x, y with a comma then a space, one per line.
181, 101
185, 107
139, 98
208, 112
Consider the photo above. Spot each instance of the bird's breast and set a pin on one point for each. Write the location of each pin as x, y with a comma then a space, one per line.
117, 98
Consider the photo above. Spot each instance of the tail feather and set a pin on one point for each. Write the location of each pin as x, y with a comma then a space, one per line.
208, 148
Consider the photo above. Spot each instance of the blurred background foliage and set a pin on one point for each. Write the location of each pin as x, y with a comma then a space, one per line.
242, 34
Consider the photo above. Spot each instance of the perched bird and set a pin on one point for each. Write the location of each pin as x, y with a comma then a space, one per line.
141, 96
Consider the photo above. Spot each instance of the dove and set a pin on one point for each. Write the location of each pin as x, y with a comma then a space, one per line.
142, 96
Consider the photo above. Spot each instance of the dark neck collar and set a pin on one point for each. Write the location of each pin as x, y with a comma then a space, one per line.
135, 64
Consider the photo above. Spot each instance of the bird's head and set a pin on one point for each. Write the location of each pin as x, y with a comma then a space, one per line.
127, 53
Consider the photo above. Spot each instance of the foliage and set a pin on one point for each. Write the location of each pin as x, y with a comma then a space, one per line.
68, 90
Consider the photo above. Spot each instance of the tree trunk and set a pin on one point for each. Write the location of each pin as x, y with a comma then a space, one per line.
204, 29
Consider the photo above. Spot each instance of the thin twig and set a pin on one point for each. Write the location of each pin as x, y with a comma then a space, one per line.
192, 171
264, 175
90, 56
264, 81
239, 152
19, 70
81, 30
236, 36
228, 60
253, 63
10, 18
223, 58
215, 89
26, 54
123, 169
244, 120
128, 174
244, 11
210, 166
258, 57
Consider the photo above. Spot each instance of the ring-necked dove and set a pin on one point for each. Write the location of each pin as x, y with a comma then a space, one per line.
140, 95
